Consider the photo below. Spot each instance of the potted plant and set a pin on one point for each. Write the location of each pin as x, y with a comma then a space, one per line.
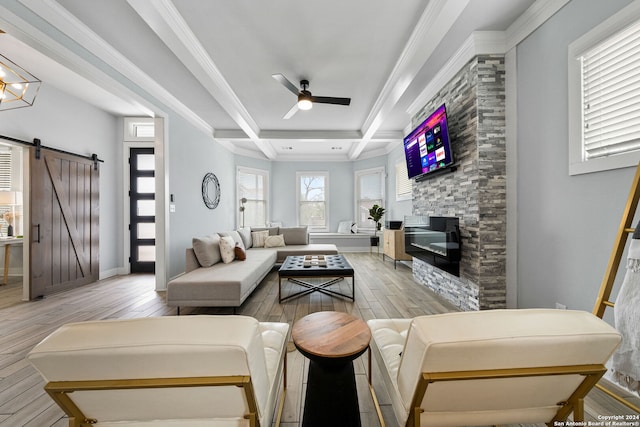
375, 213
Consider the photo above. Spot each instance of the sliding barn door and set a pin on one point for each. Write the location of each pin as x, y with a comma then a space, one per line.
64, 222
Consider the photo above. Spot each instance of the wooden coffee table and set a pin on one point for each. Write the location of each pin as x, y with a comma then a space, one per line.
333, 268
331, 340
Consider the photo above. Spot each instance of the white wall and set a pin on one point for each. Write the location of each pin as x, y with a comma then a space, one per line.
566, 224
65, 122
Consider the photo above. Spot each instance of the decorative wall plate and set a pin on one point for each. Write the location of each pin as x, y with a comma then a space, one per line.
210, 190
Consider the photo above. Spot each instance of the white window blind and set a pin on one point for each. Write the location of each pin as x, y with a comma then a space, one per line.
252, 185
369, 190
404, 186
611, 95
5, 170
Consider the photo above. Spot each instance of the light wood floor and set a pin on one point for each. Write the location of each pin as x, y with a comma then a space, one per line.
381, 292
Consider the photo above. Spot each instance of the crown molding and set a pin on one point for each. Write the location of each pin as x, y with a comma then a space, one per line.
58, 17
537, 14
434, 23
41, 42
165, 20
478, 43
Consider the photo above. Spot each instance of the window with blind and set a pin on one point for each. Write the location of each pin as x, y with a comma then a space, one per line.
5, 170
252, 185
404, 186
313, 200
604, 96
369, 191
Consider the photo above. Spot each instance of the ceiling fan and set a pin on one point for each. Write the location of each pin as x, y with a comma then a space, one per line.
305, 98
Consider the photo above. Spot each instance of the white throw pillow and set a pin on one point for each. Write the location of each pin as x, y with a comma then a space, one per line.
344, 227
258, 238
274, 241
227, 249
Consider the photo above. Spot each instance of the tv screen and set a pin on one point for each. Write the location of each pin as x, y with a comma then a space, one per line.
427, 148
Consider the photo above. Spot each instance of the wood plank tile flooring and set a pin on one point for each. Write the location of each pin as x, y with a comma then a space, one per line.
381, 292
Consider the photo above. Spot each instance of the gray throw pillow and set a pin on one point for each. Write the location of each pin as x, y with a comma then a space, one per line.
295, 235
207, 249
245, 235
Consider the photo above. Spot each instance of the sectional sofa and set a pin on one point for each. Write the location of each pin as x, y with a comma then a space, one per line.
210, 280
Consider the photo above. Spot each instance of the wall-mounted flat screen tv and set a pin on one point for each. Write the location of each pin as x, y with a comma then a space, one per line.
427, 148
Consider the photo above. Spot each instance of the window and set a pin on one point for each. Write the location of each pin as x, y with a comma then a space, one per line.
404, 186
604, 95
369, 191
253, 185
137, 129
313, 200
5, 169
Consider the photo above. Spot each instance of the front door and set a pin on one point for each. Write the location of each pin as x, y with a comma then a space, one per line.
64, 200
142, 210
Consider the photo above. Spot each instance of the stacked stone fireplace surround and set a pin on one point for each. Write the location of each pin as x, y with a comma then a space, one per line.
476, 191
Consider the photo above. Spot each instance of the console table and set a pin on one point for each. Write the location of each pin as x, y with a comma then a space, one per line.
331, 340
7, 243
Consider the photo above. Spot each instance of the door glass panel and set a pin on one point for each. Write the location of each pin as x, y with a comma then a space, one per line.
146, 185
146, 162
146, 207
146, 230
146, 253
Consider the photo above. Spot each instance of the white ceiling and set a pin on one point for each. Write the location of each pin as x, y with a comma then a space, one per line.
212, 61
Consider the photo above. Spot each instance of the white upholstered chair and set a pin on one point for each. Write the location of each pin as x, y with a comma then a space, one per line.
166, 371
490, 367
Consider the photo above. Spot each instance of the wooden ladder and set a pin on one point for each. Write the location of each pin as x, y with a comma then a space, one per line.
624, 230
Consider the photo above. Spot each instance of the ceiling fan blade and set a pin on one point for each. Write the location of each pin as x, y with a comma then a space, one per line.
291, 112
286, 83
330, 100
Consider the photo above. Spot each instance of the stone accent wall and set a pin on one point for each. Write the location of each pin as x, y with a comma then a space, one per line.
476, 191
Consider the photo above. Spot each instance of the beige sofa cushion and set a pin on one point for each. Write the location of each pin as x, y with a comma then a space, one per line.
221, 285
207, 249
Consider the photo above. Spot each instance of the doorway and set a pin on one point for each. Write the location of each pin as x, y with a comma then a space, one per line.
142, 227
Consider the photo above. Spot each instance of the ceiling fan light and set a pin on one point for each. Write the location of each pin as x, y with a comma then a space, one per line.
304, 102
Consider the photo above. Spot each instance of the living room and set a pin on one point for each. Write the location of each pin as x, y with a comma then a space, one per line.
559, 227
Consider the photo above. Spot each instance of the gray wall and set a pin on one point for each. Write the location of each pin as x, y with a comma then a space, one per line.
192, 154
65, 122
341, 188
566, 224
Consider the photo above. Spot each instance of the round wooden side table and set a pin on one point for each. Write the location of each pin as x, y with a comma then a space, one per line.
331, 340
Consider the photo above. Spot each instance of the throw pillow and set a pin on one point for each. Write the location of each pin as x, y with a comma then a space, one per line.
258, 238
227, 252
207, 249
234, 235
240, 252
295, 235
245, 235
272, 230
274, 241
344, 227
